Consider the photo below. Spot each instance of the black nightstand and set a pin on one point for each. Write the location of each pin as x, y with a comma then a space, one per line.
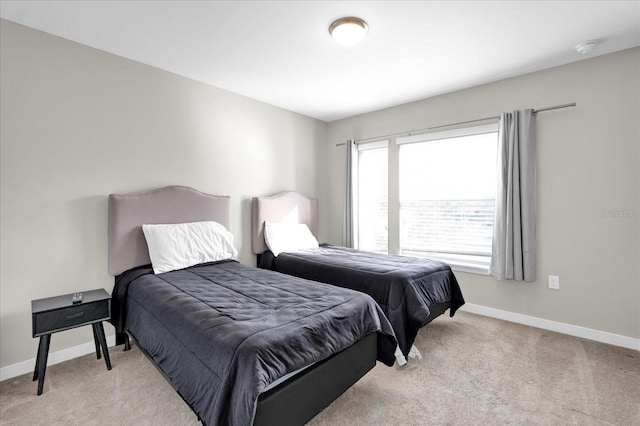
55, 314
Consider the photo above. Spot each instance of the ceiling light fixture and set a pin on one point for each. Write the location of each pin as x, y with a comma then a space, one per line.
586, 47
348, 31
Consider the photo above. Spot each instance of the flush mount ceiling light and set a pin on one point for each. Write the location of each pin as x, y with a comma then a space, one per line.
348, 31
586, 47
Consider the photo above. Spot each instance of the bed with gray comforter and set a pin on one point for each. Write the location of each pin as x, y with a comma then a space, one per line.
410, 291
245, 328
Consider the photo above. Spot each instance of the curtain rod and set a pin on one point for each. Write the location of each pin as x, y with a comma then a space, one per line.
413, 132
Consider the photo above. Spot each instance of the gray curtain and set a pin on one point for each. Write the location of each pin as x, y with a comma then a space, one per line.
348, 231
513, 254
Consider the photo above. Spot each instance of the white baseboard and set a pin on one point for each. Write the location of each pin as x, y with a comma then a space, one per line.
27, 366
559, 327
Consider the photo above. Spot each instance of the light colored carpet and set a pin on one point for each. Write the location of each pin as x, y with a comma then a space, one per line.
475, 371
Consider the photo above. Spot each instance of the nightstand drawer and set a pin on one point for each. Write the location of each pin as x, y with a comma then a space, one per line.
69, 317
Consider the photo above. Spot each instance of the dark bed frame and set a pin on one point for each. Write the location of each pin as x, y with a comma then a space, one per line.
292, 402
308, 392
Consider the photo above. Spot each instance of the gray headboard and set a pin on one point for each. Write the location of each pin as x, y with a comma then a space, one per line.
290, 207
171, 204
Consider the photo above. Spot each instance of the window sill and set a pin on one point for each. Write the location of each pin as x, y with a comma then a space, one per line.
472, 269
460, 263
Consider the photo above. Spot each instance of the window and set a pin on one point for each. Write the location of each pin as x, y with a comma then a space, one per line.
372, 195
441, 189
447, 195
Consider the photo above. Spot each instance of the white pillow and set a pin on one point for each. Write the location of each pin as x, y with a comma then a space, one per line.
288, 237
180, 245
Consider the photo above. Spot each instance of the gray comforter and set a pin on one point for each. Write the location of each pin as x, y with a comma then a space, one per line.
222, 332
405, 287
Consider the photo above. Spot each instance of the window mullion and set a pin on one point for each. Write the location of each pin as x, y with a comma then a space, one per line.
394, 198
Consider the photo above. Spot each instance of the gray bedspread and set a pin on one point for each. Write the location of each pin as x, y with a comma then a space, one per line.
404, 287
222, 332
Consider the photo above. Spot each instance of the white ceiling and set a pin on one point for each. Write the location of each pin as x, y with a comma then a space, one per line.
280, 52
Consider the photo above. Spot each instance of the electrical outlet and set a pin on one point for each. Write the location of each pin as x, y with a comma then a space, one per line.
554, 282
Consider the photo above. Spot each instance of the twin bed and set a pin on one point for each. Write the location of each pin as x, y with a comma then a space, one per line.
241, 345
410, 291
237, 343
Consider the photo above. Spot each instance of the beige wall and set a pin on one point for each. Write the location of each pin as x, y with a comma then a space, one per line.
588, 163
78, 124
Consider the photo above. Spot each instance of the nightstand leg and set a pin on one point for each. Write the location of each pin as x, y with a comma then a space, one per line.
43, 354
98, 329
35, 370
97, 343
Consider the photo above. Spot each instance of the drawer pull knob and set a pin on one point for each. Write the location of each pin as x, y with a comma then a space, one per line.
74, 316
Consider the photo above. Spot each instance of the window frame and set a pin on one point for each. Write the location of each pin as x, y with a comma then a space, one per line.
467, 263
457, 262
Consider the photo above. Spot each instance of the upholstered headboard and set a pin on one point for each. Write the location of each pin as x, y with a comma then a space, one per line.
172, 204
285, 207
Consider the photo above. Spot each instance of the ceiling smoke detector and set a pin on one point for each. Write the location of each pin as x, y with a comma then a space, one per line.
586, 47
